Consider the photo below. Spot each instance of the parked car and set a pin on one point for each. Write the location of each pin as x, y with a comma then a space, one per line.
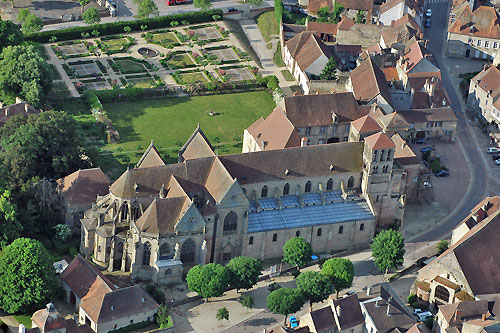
426, 149
425, 315
493, 150
428, 13
428, 22
419, 141
417, 311
231, 10
293, 322
495, 156
427, 184
497, 162
442, 173
349, 293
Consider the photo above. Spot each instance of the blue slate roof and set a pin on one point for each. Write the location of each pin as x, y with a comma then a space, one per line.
315, 214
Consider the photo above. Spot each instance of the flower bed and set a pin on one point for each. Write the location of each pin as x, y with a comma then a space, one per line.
115, 44
177, 60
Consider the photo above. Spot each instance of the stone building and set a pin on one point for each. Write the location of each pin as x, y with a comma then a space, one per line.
156, 222
484, 93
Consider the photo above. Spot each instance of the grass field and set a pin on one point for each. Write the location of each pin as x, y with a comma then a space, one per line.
267, 25
143, 82
165, 38
287, 75
115, 44
172, 119
180, 60
277, 57
193, 77
130, 66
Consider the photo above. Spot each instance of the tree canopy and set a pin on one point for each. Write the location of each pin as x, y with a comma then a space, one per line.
285, 301
10, 228
10, 34
340, 271
325, 15
210, 280
247, 301
83, 3
47, 144
91, 16
202, 4
388, 249
146, 8
314, 286
244, 272
23, 73
297, 252
329, 71
30, 23
222, 314
27, 277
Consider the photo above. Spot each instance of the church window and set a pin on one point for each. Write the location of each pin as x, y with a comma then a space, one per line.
374, 156
362, 227
318, 233
146, 254
125, 211
250, 240
329, 185
442, 293
230, 221
308, 187
389, 155
165, 251
286, 189
341, 229
350, 182
263, 193
275, 237
187, 251
136, 210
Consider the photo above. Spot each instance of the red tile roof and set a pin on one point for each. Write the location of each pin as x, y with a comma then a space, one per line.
314, 5
306, 48
368, 81
150, 158
482, 22
379, 140
83, 186
366, 124
345, 24
365, 5
327, 28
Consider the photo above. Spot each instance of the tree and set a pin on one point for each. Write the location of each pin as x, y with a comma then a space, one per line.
91, 16
146, 8
143, 27
360, 16
173, 24
314, 286
247, 301
27, 278
442, 246
10, 228
244, 272
215, 17
297, 252
203, 5
340, 271
48, 144
10, 34
285, 301
63, 231
222, 314
388, 249
329, 71
83, 3
162, 316
95, 33
209, 280
53, 39
24, 73
338, 9
127, 29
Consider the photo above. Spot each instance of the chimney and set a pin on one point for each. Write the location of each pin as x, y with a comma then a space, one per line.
7, 112
339, 310
51, 307
389, 306
368, 289
22, 328
163, 192
376, 303
264, 144
303, 142
431, 88
18, 100
458, 315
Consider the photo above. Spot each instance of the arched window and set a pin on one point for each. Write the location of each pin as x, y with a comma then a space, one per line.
318, 232
389, 154
125, 211
350, 182
230, 221
297, 234
146, 254
250, 240
361, 227
164, 251
382, 153
329, 185
308, 187
136, 210
286, 189
187, 251
275, 237
385, 169
341, 229
263, 193
442, 293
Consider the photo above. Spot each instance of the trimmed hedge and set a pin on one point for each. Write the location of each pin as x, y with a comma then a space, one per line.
115, 28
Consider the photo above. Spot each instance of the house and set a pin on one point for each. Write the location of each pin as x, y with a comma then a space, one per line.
314, 5
369, 86
455, 315
79, 190
326, 31
288, 31
347, 55
20, 107
459, 273
433, 123
473, 33
427, 92
484, 93
365, 35
412, 167
400, 33
307, 119
343, 314
306, 55
417, 61
353, 7
49, 319
393, 10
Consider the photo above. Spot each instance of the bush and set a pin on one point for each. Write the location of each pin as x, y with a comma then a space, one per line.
415, 305
117, 27
429, 322
73, 251
150, 289
412, 298
159, 296
273, 83
436, 166
442, 246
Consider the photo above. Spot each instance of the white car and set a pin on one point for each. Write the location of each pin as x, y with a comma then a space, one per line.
493, 150
497, 162
424, 315
417, 311
428, 13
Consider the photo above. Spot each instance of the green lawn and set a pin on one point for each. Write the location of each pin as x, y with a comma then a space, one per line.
165, 38
115, 44
25, 320
142, 82
277, 57
180, 60
172, 119
287, 75
130, 66
267, 25
193, 77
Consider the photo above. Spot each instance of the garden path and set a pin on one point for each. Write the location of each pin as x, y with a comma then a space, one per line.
58, 63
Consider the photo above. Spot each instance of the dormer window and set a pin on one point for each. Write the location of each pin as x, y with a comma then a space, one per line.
136, 188
334, 117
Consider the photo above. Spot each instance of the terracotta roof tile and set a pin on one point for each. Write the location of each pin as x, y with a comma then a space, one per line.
365, 5
425, 115
48, 319
418, 59
345, 23
83, 186
8, 111
162, 216
150, 158
306, 48
482, 22
379, 140
196, 146
403, 153
327, 28
489, 80
368, 81
366, 124
393, 122
391, 74
314, 5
